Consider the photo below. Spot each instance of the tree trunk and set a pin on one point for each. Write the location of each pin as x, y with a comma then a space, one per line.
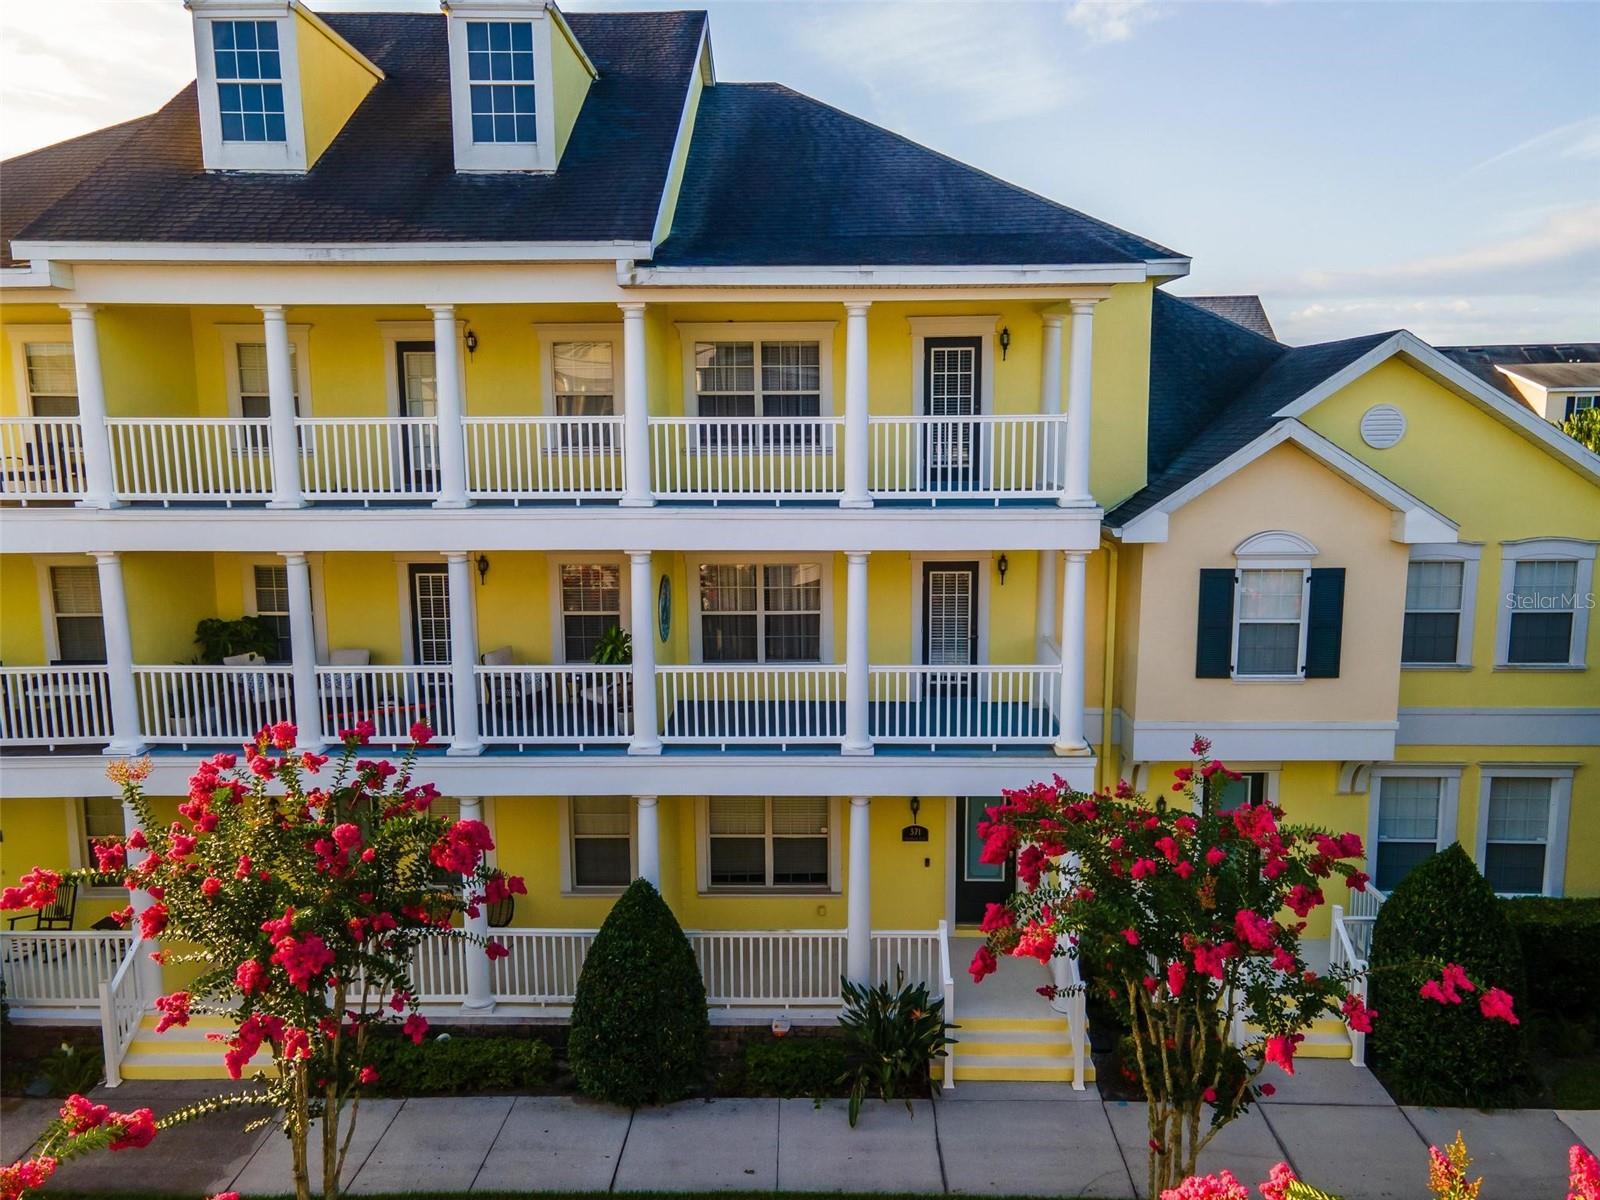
299, 1120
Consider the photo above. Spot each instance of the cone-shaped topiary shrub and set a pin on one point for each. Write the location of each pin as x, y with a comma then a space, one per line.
639, 1024
1427, 1053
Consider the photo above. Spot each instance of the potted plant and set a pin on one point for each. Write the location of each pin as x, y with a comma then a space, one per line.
219, 640
613, 694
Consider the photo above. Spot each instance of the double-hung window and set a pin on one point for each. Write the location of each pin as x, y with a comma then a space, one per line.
591, 604
249, 80
758, 378
1544, 601
767, 842
255, 399
52, 379
1409, 812
80, 627
1517, 829
602, 843
584, 382
1270, 627
761, 612
1432, 633
271, 586
100, 824
500, 81
1576, 404
1228, 794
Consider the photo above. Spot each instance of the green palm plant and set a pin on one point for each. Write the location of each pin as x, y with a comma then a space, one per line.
894, 1035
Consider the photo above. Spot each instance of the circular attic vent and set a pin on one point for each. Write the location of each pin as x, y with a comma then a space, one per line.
1382, 426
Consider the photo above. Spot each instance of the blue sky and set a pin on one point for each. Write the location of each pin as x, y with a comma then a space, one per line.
1362, 165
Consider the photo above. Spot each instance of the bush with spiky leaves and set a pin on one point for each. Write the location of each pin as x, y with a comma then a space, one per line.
301, 895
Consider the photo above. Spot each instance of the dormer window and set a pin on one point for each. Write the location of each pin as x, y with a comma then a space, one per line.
500, 75
249, 80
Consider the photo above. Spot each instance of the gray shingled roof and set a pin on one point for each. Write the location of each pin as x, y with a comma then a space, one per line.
1482, 360
1241, 310
32, 182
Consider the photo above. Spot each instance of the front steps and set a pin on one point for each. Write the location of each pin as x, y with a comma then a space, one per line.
1327, 1038
184, 1052
1015, 1049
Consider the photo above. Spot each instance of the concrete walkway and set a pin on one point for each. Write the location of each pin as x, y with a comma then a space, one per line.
1332, 1122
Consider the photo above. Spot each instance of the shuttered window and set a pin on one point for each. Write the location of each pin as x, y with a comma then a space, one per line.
430, 600
80, 628
602, 843
777, 841
1271, 608
1269, 623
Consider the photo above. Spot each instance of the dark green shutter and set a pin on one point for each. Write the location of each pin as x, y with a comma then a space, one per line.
1213, 654
1325, 623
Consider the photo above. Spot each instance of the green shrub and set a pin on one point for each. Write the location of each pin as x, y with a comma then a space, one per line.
1560, 942
795, 1066
894, 1035
1428, 1053
639, 1023
70, 1069
453, 1066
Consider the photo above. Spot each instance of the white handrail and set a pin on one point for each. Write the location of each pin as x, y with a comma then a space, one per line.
947, 989
724, 703
122, 1007
991, 704
369, 458
190, 458
727, 458
544, 705
55, 706
987, 457
188, 705
392, 698
41, 458
532, 457
1343, 952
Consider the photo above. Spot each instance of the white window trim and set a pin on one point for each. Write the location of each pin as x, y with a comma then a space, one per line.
402, 568
77, 837
702, 845
1468, 554
395, 332
1272, 550
21, 337
288, 155
47, 599
985, 561
1570, 549
825, 638
550, 335
821, 332
1555, 847
558, 641
983, 326
233, 336
1449, 777
319, 608
539, 155
568, 842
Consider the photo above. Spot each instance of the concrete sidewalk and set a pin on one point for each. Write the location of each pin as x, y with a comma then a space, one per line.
1332, 1122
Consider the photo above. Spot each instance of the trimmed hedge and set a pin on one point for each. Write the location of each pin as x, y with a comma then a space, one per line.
795, 1066
639, 1022
1428, 1053
454, 1066
1560, 942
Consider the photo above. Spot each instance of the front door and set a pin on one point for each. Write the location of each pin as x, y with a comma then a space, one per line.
951, 449
949, 624
978, 884
415, 369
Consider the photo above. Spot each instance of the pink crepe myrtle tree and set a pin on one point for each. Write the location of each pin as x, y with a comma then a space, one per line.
1186, 917
299, 891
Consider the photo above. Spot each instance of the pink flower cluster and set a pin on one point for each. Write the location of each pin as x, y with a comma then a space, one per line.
462, 847
1495, 1003
1221, 1186
1583, 1174
36, 889
26, 1176
174, 1010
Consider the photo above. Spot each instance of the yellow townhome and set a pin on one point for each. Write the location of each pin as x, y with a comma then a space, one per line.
906, 486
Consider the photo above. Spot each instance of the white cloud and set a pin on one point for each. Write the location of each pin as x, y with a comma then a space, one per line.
1510, 317
1110, 20
1579, 140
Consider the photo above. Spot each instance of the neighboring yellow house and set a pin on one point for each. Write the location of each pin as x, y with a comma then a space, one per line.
446, 344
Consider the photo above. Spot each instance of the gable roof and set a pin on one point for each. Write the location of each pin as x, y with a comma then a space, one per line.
1241, 310
776, 178
1557, 376
1483, 361
390, 175
32, 182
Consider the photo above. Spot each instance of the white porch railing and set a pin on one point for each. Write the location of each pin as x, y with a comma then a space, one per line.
60, 968
196, 704
122, 1006
1344, 952
719, 704
770, 967
542, 966
976, 705
514, 458
41, 458
55, 706
173, 458
392, 698
369, 458
745, 458
988, 457
542, 705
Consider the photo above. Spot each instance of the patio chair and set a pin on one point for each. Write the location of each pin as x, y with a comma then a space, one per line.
344, 687
55, 916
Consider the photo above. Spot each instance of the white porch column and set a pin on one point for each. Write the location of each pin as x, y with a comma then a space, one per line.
280, 406
649, 840
1073, 600
449, 407
856, 427
149, 972
858, 891
635, 412
857, 736
480, 986
99, 484
1052, 447
641, 579
1080, 388
126, 736
463, 655
1045, 626
303, 652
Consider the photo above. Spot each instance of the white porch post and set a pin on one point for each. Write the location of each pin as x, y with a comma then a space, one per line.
450, 408
641, 577
636, 491
463, 655
480, 986
856, 426
126, 736
148, 970
1080, 388
858, 890
1052, 447
1073, 600
649, 840
285, 446
857, 736
303, 651
99, 482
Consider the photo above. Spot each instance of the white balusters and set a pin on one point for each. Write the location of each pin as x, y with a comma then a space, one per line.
169, 459
59, 968
988, 457
542, 965
746, 458
41, 458
963, 705
391, 698
516, 458
369, 458
55, 706
195, 705
723, 704
545, 705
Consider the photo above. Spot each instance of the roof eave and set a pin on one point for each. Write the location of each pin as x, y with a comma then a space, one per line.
66, 252
899, 275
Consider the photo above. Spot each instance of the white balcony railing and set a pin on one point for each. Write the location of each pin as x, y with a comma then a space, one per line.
185, 458
743, 458
542, 965
950, 705
391, 698
719, 704
41, 458
516, 458
55, 706
189, 705
60, 969
989, 457
369, 458
534, 705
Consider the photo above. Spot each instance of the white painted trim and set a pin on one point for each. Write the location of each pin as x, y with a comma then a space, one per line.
1414, 521
985, 561
567, 848
1449, 777
632, 275
1284, 741
288, 156
679, 159
702, 851
1499, 727
21, 337
691, 573
985, 326
558, 643
1576, 550
319, 605
1555, 847
821, 332
595, 331
235, 335
1468, 555
474, 156
1272, 546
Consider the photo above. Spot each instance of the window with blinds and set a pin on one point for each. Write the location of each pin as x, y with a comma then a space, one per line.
272, 607
1271, 608
591, 604
761, 612
1433, 612
1517, 834
758, 379
80, 628
52, 379
1544, 601
100, 824
430, 612
602, 841
768, 842
1408, 825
